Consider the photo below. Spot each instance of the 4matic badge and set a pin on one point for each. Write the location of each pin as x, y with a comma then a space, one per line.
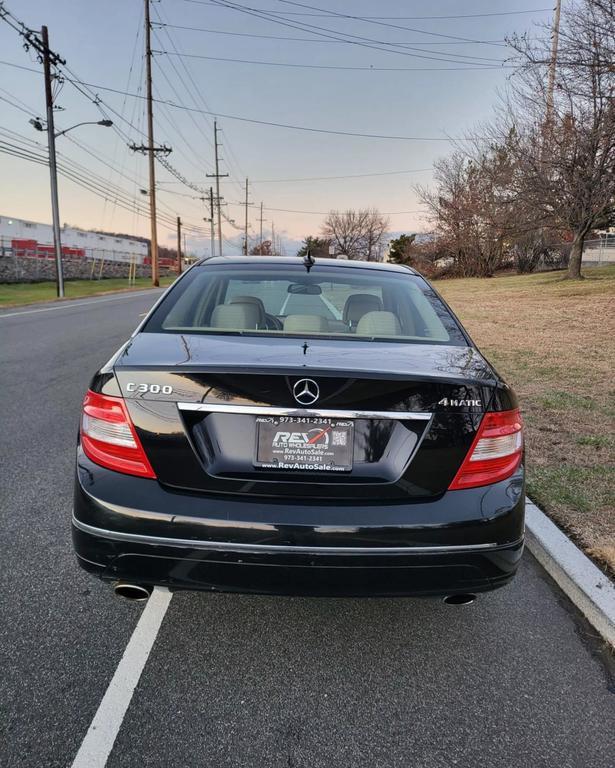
452, 402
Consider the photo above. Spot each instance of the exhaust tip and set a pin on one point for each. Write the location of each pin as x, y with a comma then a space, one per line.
135, 592
460, 599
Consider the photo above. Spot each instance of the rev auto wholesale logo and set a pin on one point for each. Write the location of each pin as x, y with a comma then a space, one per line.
320, 437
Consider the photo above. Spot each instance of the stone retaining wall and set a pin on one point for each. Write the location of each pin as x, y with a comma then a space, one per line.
14, 269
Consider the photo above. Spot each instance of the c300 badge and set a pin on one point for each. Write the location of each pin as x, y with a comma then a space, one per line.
152, 389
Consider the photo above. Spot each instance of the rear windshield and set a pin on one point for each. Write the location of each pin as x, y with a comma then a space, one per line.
268, 300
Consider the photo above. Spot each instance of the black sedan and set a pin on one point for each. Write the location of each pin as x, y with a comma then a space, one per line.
296, 427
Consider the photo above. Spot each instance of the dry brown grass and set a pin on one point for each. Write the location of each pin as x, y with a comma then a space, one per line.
554, 342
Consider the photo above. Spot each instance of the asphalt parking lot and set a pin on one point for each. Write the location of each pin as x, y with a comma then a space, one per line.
516, 679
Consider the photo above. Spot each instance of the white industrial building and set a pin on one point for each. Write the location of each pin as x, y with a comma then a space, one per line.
31, 238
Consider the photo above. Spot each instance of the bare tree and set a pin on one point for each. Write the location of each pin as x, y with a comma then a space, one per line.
566, 159
261, 249
471, 208
357, 234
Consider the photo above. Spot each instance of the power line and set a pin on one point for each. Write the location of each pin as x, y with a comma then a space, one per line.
359, 40
327, 32
96, 99
402, 18
336, 14
271, 123
13, 104
500, 42
73, 176
347, 176
338, 67
32, 41
79, 173
232, 161
324, 213
195, 89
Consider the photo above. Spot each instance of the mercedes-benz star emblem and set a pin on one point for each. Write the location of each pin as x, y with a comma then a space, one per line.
306, 391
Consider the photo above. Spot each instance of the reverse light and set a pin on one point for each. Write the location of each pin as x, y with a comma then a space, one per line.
108, 437
495, 453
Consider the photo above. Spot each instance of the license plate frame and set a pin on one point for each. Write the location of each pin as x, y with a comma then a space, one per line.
304, 444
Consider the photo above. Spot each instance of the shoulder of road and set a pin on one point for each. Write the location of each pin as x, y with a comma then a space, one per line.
589, 589
18, 295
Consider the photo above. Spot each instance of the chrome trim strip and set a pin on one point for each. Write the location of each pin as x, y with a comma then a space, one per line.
324, 413
228, 546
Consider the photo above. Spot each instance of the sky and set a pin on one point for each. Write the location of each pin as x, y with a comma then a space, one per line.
447, 73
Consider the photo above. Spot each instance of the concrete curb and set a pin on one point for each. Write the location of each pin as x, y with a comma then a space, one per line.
585, 584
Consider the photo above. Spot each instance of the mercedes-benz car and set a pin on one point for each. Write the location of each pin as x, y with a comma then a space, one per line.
311, 427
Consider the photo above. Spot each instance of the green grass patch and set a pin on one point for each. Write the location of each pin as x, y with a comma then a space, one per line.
579, 488
557, 400
596, 441
31, 293
597, 280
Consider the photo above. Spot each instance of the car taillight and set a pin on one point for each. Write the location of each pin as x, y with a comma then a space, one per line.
495, 453
109, 438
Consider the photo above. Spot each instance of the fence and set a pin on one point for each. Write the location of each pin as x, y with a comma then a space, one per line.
598, 252
36, 264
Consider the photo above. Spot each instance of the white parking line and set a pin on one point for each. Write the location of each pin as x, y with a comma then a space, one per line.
331, 307
104, 728
70, 304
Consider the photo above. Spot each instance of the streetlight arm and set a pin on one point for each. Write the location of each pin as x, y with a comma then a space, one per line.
106, 123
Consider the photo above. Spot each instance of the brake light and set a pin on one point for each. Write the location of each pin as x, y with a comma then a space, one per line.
109, 438
495, 453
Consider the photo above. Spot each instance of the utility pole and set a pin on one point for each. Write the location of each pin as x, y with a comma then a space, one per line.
151, 149
272, 238
53, 171
247, 203
49, 58
211, 219
150, 139
553, 62
261, 238
217, 175
179, 246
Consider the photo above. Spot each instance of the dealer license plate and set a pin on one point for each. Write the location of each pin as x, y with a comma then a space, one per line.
304, 444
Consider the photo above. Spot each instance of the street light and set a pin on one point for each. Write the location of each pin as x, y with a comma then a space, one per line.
37, 124
105, 123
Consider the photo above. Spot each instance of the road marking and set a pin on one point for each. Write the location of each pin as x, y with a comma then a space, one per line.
70, 304
104, 728
331, 307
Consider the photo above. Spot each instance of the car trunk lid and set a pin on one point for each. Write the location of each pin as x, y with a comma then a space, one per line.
411, 411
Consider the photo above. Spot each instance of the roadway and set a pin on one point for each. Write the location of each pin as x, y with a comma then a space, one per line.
516, 679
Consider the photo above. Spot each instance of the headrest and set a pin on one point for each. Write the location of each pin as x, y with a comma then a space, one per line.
301, 323
358, 304
241, 317
378, 324
262, 314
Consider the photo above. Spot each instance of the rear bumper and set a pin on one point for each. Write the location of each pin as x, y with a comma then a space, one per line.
134, 529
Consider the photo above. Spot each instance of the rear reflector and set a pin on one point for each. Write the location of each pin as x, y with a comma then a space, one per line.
108, 437
495, 453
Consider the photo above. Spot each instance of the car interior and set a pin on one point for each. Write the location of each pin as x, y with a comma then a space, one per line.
305, 307
363, 315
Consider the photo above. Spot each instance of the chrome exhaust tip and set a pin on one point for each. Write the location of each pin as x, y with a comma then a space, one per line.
459, 599
135, 592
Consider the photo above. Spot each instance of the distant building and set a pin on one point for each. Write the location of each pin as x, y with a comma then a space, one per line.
20, 237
